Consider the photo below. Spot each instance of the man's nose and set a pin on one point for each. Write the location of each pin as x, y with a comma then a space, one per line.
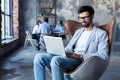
82, 20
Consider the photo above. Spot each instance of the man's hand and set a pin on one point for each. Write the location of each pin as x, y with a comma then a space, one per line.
74, 55
69, 54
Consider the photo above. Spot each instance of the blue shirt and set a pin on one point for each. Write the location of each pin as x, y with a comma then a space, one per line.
59, 28
44, 29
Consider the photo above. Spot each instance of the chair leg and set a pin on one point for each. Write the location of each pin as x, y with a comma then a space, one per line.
28, 38
26, 41
32, 44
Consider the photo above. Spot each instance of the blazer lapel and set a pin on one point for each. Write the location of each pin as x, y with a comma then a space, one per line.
91, 37
77, 37
79, 34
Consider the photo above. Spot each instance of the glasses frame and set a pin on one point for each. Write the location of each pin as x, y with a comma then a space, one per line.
81, 18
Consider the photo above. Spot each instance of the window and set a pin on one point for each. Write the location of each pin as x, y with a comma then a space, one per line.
9, 20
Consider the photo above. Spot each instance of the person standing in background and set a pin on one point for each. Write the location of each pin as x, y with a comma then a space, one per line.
35, 33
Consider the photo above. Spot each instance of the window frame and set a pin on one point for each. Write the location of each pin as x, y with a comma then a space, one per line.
6, 37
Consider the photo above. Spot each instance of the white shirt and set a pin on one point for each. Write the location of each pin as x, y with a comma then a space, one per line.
82, 41
35, 29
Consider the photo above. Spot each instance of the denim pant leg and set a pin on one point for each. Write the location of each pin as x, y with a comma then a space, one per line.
59, 64
42, 41
40, 62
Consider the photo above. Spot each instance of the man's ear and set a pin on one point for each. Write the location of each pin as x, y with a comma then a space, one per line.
92, 17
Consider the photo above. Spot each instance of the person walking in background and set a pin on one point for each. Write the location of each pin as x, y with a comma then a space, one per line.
35, 33
44, 29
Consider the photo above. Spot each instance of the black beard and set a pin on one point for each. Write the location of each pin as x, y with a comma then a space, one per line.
86, 25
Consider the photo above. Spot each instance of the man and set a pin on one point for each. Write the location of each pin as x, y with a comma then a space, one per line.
44, 29
87, 41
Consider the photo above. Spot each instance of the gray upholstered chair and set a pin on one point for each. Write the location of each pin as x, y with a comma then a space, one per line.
94, 67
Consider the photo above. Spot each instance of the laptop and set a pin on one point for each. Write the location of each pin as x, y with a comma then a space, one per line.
54, 45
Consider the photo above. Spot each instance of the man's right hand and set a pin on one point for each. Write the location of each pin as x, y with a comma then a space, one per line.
74, 55
69, 54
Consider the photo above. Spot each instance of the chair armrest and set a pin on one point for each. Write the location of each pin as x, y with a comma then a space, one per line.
91, 69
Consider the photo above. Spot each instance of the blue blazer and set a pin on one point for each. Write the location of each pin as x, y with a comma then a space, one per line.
97, 44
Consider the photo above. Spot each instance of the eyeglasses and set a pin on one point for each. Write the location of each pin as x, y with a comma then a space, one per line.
85, 17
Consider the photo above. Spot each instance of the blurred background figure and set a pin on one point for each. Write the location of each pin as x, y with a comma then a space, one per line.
35, 33
59, 27
59, 30
44, 29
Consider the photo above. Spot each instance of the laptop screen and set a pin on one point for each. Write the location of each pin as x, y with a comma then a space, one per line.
54, 45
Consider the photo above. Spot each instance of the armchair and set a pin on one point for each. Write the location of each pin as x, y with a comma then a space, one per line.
94, 67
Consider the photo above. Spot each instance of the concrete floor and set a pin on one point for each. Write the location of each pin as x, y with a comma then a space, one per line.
19, 66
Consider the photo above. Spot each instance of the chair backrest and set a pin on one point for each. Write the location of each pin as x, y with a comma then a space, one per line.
71, 26
28, 35
109, 28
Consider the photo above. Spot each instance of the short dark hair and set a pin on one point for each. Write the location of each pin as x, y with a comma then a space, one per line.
46, 19
61, 22
86, 8
39, 21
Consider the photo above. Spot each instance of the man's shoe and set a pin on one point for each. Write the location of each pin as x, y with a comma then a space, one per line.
38, 48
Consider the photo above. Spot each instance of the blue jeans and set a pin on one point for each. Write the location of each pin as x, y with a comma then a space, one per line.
57, 63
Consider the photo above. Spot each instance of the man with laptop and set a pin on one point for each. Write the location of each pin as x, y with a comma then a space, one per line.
87, 41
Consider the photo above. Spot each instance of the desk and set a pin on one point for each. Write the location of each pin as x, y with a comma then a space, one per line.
59, 34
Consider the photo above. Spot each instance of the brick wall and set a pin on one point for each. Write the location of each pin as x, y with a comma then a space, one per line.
15, 18
0, 21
